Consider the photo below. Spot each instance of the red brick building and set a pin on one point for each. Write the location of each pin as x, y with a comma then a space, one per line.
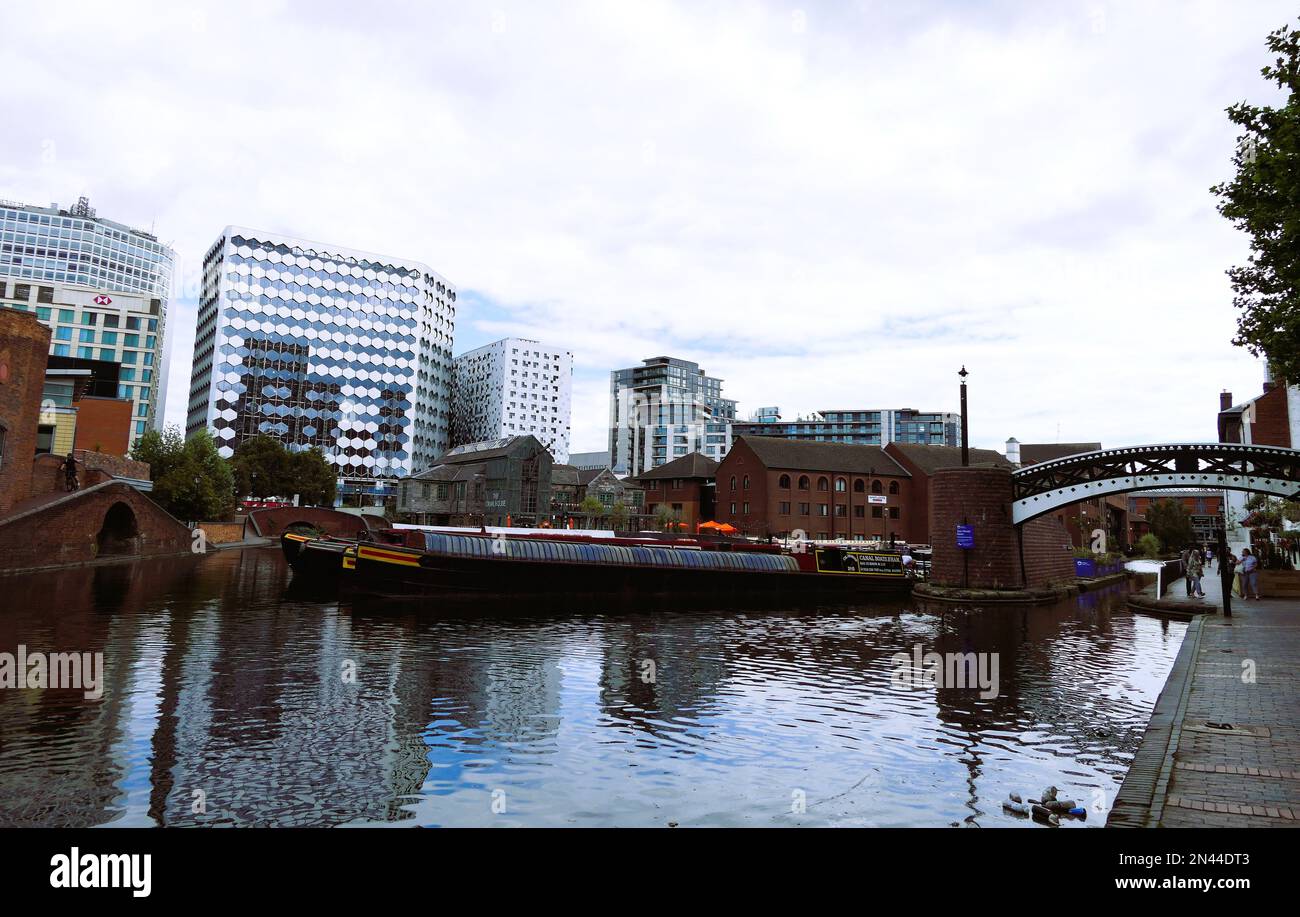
1204, 507
24, 352
685, 486
1262, 421
772, 487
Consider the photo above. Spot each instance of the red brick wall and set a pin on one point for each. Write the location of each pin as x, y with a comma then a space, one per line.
271, 523
24, 353
66, 532
688, 495
93, 468
980, 497
1272, 426
1046, 546
104, 425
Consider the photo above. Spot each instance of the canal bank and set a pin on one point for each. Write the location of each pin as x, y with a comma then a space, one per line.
1222, 748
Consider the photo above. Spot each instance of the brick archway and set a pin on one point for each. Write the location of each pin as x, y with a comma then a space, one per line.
120, 531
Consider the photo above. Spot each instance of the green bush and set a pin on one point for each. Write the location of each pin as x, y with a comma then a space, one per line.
1149, 545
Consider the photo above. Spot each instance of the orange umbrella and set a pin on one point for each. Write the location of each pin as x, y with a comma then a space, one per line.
727, 528
709, 525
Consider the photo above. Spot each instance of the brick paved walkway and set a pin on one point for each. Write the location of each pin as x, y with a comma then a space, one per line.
1223, 745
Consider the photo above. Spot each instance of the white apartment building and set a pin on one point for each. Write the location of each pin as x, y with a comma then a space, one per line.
514, 387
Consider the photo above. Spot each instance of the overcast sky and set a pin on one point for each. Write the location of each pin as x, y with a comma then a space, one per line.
829, 206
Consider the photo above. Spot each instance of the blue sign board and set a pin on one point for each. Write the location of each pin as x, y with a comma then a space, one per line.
965, 536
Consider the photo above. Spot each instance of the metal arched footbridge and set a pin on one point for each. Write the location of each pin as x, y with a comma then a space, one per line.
1048, 486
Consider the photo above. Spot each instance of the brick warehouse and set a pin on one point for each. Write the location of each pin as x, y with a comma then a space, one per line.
771, 487
684, 485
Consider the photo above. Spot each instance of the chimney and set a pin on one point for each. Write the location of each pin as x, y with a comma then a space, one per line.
1013, 451
1225, 400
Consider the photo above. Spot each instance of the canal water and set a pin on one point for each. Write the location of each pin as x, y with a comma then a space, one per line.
231, 699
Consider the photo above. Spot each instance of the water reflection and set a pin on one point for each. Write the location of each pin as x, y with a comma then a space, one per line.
230, 701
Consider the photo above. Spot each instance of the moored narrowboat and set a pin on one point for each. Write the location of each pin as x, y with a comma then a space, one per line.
440, 564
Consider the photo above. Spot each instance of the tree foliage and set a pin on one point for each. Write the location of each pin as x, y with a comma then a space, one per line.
190, 479
1149, 545
665, 517
1171, 523
1263, 200
313, 478
261, 467
264, 468
619, 516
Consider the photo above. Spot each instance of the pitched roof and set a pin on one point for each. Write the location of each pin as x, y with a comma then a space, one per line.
695, 465
564, 476
462, 472
587, 475
931, 458
809, 455
488, 449
1033, 453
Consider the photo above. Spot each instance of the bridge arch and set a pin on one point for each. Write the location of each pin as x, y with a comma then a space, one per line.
1048, 486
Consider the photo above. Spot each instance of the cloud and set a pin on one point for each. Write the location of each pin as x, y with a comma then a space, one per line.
826, 205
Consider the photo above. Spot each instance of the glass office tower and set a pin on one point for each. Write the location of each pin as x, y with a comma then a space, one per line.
323, 346
57, 255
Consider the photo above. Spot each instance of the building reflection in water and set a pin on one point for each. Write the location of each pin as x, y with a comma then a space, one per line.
228, 702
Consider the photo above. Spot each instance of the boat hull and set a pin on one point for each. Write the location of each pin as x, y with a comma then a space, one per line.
392, 572
314, 557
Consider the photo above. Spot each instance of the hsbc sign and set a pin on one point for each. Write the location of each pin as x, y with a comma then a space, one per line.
103, 300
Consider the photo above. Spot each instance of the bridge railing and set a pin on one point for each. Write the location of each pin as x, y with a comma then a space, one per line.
1170, 572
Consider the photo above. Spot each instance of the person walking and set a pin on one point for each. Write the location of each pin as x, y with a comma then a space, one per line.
1249, 575
1194, 571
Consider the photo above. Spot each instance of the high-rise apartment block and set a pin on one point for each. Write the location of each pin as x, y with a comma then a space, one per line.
664, 409
328, 347
514, 387
102, 288
864, 427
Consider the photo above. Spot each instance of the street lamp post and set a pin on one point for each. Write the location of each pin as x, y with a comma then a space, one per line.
965, 438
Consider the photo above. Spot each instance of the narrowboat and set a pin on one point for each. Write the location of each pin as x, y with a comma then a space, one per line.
420, 564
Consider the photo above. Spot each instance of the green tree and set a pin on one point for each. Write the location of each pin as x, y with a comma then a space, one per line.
159, 450
312, 478
1149, 545
1171, 523
619, 517
591, 507
261, 466
1263, 200
190, 479
665, 518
